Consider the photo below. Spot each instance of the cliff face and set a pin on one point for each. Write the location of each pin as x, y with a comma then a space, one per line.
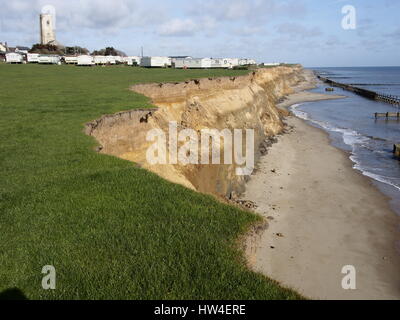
245, 102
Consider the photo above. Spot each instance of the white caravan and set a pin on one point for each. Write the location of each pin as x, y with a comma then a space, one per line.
49, 59
224, 63
271, 64
100, 60
193, 63
85, 60
118, 59
13, 57
32, 57
111, 60
130, 61
71, 60
155, 62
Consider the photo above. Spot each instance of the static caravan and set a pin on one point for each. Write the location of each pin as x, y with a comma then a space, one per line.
271, 64
174, 58
100, 60
71, 60
233, 62
85, 60
13, 57
136, 59
155, 62
216, 63
118, 59
49, 59
251, 62
247, 62
32, 57
103, 60
224, 63
130, 61
127, 61
193, 63
111, 60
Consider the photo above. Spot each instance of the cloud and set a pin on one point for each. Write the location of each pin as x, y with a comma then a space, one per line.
179, 27
295, 30
334, 41
248, 11
247, 31
75, 15
394, 35
375, 45
365, 27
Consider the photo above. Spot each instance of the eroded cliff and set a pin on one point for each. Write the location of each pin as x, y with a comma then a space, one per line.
245, 102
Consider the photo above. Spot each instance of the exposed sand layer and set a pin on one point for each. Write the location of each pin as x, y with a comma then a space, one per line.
244, 102
322, 215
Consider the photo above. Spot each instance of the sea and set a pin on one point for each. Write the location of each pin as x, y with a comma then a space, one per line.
352, 126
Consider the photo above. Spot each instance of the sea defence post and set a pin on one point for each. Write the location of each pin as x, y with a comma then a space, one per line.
396, 151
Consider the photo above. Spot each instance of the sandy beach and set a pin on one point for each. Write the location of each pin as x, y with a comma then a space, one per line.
322, 215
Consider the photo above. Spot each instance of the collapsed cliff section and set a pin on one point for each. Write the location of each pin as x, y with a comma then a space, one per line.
244, 102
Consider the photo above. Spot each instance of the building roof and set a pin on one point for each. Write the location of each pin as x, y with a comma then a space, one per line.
179, 57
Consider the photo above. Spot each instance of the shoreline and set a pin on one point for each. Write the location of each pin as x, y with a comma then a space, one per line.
322, 215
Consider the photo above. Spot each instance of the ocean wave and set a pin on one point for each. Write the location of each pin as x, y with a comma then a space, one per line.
351, 138
377, 177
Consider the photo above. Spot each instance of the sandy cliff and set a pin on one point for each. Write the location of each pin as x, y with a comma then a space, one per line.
244, 102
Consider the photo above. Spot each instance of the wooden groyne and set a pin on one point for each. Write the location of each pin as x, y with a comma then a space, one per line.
396, 151
394, 100
387, 115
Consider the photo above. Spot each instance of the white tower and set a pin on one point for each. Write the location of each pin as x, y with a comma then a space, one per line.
47, 34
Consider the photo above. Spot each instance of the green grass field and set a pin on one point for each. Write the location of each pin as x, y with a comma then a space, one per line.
112, 230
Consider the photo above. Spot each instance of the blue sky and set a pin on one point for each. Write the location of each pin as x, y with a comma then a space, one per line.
305, 31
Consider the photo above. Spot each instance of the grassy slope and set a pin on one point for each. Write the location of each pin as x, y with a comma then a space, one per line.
112, 231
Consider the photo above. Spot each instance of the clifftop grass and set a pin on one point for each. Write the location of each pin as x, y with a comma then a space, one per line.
112, 230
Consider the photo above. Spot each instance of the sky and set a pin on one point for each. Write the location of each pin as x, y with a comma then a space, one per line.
309, 32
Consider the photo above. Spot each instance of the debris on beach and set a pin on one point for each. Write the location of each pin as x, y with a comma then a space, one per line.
266, 144
247, 204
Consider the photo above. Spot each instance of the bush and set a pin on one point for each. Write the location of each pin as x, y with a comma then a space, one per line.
241, 68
